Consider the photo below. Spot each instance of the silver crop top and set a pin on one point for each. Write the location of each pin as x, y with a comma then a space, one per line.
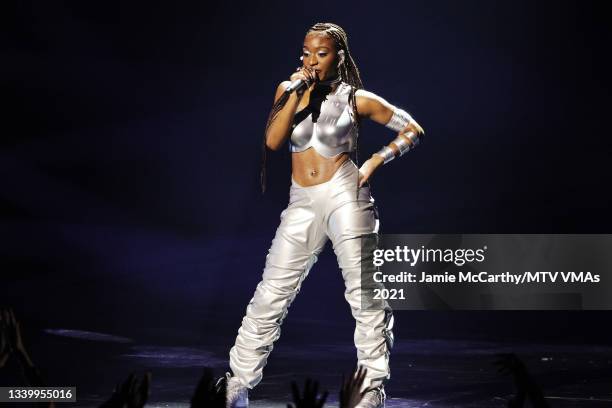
333, 132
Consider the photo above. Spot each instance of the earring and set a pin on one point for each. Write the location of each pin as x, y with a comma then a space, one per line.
302, 58
341, 55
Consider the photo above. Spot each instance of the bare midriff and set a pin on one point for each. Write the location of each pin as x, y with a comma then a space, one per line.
309, 167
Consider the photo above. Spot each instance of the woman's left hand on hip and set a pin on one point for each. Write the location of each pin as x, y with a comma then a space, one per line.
368, 168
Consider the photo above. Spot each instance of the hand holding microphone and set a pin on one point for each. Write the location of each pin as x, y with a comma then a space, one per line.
301, 80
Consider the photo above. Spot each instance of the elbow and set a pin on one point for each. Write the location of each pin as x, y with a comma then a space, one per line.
418, 128
419, 132
272, 143
415, 128
273, 147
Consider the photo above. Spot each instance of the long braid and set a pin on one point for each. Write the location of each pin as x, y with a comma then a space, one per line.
348, 73
277, 107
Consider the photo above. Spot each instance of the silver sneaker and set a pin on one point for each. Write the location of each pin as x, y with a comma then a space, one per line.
236, 394
373, 399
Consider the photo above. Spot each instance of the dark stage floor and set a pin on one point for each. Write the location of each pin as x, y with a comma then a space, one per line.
173, 312
425, 373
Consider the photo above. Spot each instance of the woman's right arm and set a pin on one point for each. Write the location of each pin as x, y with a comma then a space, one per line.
278, 131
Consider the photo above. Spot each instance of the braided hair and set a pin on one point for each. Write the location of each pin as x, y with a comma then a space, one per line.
348, 73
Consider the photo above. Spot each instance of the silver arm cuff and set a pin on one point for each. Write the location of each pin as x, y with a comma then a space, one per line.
402, 144
399, 120
386, 153
414, 139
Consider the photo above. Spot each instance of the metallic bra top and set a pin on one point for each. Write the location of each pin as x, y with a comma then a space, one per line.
334, 130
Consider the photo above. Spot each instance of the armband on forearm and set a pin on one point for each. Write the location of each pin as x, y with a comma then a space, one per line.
398, 122
402, 144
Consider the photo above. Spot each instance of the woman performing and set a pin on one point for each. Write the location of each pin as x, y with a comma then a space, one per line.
329, 199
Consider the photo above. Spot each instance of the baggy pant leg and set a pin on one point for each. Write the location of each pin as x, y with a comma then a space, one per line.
298, 241
350, 220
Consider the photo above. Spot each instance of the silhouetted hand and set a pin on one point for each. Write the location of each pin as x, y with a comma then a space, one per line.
209, 394
525, 385
350, 394
133, 393
5, 350
11, 331
309, 400
11, 343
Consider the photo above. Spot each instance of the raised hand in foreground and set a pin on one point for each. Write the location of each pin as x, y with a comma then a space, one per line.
526, 388
350, 394
11, 343
208, 393
133, 393
309, 400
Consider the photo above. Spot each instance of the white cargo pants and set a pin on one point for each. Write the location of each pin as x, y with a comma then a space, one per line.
314, 214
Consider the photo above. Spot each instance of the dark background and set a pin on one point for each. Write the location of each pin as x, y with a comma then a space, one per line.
131, 146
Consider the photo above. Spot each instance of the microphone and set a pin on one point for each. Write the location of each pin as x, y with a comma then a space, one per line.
296, 85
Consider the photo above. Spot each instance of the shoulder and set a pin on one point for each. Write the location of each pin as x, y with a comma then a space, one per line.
280, 89
368, 97
368, 103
